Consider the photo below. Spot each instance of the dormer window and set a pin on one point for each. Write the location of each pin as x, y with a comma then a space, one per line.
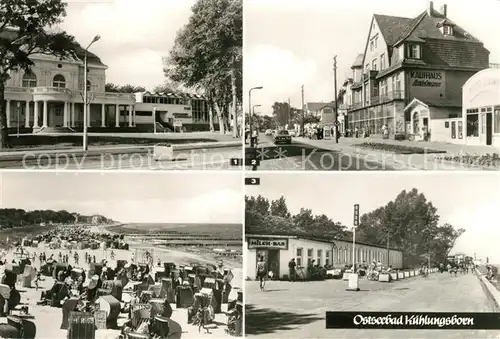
447, 30
414, 51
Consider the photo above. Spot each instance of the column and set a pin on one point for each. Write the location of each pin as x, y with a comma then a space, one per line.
133, 116
35, 114
72, 114
88, 115
103, 115
27, 114
117, 115
8, 113
66, 114
45, 113
129, 115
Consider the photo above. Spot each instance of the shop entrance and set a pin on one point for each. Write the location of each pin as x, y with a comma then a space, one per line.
489, 128
272, 258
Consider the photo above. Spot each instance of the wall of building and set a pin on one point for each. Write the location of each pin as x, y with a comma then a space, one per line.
426, 84
441, 130
374, 54
454, 83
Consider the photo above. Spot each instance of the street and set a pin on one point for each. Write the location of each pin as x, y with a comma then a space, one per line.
202, 159
297, 310
303, 157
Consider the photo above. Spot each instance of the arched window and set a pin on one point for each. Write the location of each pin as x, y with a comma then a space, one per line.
59, 81
29, 80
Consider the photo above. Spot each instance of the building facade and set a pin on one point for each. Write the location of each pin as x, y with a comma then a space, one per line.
279, 250
411, 73
480, 123
51, 96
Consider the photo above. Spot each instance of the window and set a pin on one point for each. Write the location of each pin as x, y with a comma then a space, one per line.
383, 87
447, 30
367, 67
393, 83
29, 80
398, 83
496, 120
376, 41
327, 258
319, 257
89, 85
413, 51
309, 256
59, 81
472, 127
371, 45
374, 64
299, 257
382, 61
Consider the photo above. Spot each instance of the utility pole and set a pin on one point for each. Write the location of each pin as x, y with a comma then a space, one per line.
302, 109
335, 97
388, 249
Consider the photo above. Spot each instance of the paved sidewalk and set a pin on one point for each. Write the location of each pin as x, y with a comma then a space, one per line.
297, 310
430, 161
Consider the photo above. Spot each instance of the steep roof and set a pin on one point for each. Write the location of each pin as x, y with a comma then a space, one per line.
359, 61
391, 27
316, 106
91, 57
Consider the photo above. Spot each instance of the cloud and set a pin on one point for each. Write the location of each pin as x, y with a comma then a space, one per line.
135, 35
278, 70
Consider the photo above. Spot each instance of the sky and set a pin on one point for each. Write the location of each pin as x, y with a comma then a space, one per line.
289, 43
135, 35
186, 197
465, 200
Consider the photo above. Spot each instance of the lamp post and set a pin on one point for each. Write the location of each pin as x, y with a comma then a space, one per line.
250, 110
85, 100
18, 111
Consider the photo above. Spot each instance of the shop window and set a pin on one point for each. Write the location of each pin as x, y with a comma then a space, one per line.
298, 259
319, 254
327, 258
496, 121
472, 125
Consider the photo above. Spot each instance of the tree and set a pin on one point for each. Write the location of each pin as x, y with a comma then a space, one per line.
410, 224
112, 88
279, 208
207, 55
24, 32
170, 87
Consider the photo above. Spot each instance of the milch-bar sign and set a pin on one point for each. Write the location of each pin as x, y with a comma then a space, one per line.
281, 244
426, 78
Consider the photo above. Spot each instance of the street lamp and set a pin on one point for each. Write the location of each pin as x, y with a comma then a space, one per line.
250, 110
85, 100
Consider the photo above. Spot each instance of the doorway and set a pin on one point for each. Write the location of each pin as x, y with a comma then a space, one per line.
272, 258
489, 128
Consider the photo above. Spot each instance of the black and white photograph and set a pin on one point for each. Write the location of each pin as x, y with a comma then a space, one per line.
372, 85
121, 255
351, 242
120, 84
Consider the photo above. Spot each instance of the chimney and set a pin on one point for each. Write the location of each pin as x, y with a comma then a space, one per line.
430, 8
444, 9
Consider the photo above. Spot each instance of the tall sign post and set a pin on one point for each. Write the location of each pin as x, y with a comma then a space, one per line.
353, 278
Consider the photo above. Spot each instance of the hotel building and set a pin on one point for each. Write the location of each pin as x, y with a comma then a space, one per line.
410, 76
50, 98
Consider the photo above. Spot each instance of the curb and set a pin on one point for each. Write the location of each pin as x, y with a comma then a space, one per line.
492, 294
32, 155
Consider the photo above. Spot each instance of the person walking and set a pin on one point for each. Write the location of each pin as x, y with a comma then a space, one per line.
261, 272
291, 270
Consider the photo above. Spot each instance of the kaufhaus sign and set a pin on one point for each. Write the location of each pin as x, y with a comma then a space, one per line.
278, 244
426, 78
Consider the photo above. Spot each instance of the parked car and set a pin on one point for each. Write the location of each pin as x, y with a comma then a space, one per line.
269, 132
282, 137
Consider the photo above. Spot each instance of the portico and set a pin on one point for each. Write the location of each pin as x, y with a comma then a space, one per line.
45, 107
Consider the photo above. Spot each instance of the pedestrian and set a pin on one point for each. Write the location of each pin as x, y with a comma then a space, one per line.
261, 272
291, 270
254, 142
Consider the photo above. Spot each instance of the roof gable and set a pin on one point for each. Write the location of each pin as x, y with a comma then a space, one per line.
391, 27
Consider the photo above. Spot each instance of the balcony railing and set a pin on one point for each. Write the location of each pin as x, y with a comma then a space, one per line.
17, 89
41, 90
380, 99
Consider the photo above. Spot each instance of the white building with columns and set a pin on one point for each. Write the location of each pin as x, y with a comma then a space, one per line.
51, 95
